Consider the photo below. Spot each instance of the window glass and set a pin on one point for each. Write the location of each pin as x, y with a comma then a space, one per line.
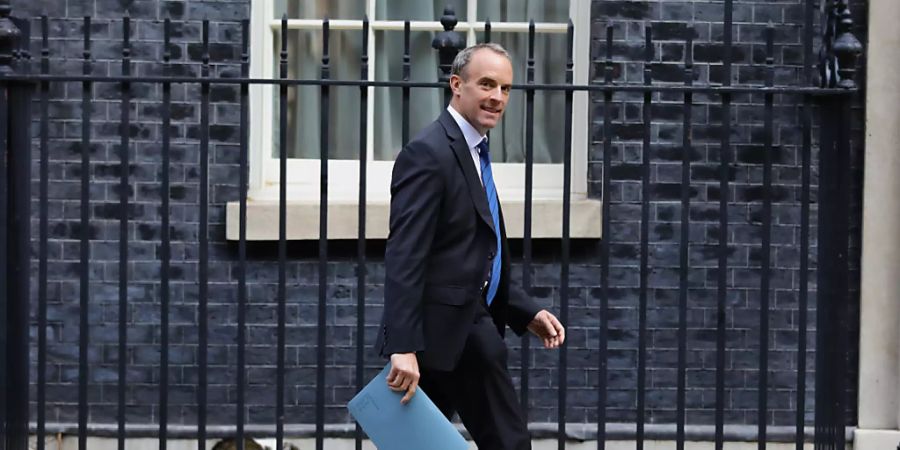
418, 9
320, 9
523, 10
304, 102
508, 138
425, 103
305, 59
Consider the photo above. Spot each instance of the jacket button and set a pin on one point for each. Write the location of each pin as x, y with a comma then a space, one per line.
491, 255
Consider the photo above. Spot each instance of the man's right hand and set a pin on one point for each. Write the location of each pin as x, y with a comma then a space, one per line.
404, 375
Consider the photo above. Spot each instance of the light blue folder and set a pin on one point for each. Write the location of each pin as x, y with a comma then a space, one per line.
417, 425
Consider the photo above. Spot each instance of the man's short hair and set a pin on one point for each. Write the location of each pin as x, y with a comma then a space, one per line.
465, 56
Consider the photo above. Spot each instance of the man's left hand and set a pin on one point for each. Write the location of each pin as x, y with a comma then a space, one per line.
547, 327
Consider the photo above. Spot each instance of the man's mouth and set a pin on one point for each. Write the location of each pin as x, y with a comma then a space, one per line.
491, 110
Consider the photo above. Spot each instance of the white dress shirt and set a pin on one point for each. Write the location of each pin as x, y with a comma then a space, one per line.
472, 138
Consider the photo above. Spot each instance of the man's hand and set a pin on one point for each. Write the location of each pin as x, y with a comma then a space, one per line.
547, 327
404, 375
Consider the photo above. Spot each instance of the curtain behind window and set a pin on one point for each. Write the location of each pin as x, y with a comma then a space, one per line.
305, 62
507, 139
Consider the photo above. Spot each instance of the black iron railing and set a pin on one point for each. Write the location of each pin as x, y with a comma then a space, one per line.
833, 98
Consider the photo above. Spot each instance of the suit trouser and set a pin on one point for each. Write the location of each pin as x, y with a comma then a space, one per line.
481, 391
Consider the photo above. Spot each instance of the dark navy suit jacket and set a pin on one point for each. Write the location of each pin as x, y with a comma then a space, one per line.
439, 251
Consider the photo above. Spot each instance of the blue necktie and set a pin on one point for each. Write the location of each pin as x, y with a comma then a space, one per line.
488, 178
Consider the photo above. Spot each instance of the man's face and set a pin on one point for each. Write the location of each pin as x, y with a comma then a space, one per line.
481, 93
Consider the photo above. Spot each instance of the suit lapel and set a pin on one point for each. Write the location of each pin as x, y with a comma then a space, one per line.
464, 159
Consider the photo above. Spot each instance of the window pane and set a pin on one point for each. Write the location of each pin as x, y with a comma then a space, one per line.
417, 9
508, 138
425, 103
524, 10
320, 9
304, 102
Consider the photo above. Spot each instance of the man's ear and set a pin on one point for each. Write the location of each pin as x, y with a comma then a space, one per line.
455, 81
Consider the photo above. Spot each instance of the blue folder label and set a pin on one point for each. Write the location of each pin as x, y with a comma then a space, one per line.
366, 402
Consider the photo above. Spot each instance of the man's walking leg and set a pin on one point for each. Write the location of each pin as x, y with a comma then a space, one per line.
488, 405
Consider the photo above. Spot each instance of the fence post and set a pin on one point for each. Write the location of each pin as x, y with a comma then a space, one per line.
841, 50
14, 143
448, 43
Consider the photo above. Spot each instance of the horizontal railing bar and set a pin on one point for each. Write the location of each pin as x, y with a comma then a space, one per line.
539, 430
434, 84
416, 25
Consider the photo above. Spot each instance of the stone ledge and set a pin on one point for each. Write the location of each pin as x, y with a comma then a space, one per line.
876, 439
303, 219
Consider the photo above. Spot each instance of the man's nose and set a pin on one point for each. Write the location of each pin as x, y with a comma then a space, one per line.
497, 94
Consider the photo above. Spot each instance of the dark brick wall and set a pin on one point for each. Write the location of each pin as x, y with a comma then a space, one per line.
671, 22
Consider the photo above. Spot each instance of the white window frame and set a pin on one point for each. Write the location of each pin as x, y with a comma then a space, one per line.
344, 174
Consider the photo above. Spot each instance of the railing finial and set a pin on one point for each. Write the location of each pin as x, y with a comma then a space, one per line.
841, 48
448, 43
847, 47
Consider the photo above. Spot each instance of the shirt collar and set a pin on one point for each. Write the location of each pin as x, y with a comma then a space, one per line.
469, 132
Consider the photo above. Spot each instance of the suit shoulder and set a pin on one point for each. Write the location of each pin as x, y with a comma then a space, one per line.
430, 143
431, 136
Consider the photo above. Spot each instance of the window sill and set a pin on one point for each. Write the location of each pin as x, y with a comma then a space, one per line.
303, 219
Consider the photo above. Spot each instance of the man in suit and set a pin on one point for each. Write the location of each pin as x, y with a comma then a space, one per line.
448, 296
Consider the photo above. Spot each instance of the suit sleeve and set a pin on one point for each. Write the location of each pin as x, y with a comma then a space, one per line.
416, 192
520, 310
